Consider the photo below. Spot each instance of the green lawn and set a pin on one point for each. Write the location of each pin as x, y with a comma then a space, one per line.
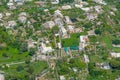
72, 41
38, 67
12, 55
95, 59
108, 41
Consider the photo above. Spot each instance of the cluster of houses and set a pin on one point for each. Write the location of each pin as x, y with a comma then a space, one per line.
89, 10
61, 21
90, 15
12, 4
100, 2
7, 23
64, 23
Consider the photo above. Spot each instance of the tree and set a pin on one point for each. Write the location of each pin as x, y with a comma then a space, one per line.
30, 70
17, 42
77, 63
63, 67
1, 47
20, 68
115, 64
67, 1
23, 47
27, 61
26, 77
116, 41
94, 72
5, 55
32, 52
98, 32
93, 39
88, 25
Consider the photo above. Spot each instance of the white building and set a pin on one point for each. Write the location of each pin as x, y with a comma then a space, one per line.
84, 41
84, 3
46, 10
11, 5
40, 57
59, 45
62, 78
19, 2
23, 14
116, 45
63, 32
78, 30
78, 5
58, 13
22, 17
44, 49
7, 14
54, 1
98, 9
31, 43
68, 20
92, 16
59, 22
86, 9
49, 24
66, 7
11, 24
1, 15
105, 66
86, 58
70, 29
116, 55
2, 77
117, 78
91, 32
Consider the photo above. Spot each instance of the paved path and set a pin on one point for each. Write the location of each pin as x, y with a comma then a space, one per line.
42, 74
13, 63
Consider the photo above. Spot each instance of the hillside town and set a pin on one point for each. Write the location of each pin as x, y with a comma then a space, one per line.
60, 40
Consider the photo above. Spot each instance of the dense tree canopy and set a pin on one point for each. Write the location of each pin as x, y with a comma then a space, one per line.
66, 1
115, 64
98, 31
116, 41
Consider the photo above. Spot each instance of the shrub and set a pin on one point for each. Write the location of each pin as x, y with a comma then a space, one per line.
98, 32
116, 41
19, 68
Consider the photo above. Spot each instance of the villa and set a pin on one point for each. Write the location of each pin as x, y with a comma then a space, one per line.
44, 49
84, 41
